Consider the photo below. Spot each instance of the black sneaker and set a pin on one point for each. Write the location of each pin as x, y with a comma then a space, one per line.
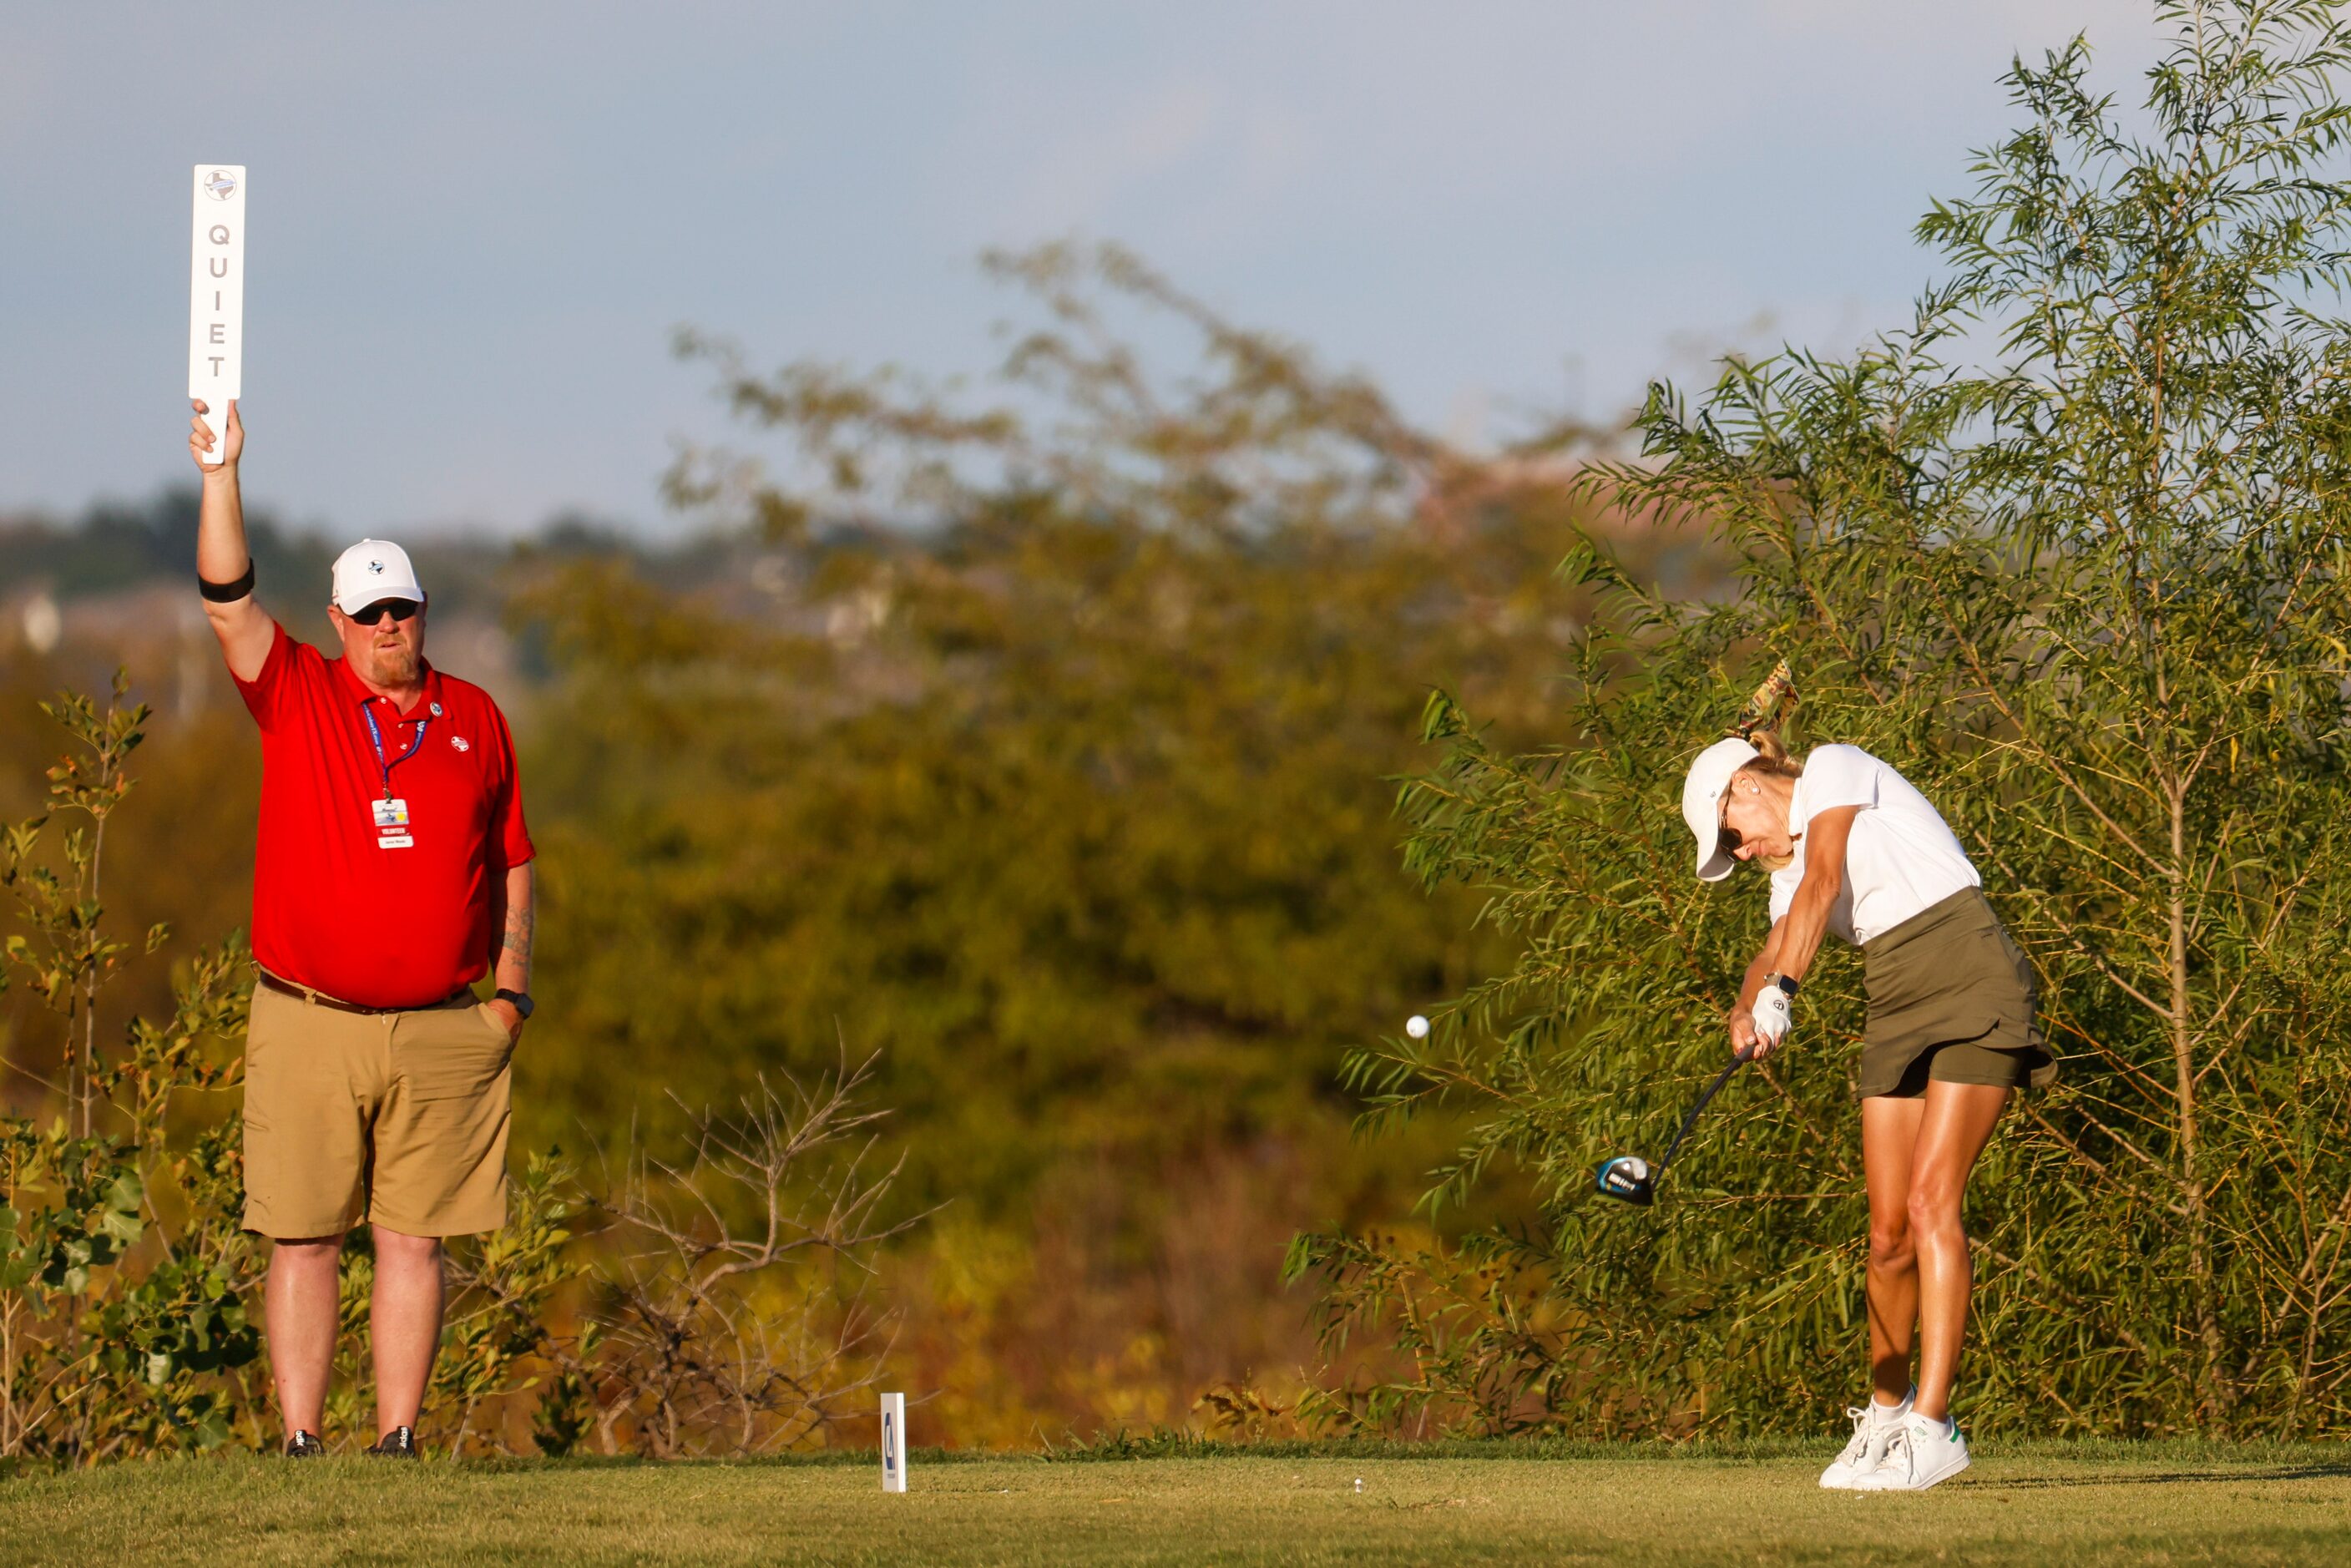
302, 1445
400, 1443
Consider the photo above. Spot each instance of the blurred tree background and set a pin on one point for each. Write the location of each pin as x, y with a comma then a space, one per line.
1038, 735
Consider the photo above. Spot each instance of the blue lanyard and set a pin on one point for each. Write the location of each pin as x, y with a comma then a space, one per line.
375, 733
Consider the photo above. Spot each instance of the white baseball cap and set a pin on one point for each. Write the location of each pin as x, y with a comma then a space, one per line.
1709, 776
372, 570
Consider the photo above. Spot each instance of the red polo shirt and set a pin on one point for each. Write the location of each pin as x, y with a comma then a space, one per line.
334, 908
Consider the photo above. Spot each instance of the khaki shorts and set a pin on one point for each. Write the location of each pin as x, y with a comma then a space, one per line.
399, 1119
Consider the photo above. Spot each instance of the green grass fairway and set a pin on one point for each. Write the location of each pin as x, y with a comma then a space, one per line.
2170, 1504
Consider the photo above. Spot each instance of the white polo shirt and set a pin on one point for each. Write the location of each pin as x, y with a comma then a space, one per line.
1900, 858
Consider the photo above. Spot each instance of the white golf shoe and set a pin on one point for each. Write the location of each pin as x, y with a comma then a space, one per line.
1924, 1452
1874, 1426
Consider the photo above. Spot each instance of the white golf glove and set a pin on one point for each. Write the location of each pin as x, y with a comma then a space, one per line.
1775, 1014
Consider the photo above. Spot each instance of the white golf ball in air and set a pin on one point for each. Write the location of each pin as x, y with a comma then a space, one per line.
1416, 1026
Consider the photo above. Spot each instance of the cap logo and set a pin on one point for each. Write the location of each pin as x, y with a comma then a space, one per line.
376, 566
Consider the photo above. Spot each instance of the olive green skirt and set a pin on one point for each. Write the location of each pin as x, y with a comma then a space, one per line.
1950, 999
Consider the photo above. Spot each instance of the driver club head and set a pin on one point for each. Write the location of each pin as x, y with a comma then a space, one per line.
1626, 1179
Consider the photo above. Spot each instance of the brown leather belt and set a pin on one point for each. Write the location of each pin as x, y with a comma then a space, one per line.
305, 994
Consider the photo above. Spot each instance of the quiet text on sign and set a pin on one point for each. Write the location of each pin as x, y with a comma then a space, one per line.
216, 293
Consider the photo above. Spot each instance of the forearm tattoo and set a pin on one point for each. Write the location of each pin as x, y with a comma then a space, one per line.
521, 923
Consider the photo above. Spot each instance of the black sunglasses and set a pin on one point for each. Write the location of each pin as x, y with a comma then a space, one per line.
1726, 838
398, 608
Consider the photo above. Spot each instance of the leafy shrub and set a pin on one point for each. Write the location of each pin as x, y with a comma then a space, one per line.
122, 1271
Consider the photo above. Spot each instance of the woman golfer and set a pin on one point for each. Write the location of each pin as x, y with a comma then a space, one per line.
1853, 849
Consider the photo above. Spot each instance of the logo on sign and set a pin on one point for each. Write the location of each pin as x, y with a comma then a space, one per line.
221, 185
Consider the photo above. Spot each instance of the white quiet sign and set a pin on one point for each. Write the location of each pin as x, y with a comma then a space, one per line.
217, 292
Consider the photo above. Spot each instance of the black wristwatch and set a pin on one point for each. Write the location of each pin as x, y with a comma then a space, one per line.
518, 1000
1773, 979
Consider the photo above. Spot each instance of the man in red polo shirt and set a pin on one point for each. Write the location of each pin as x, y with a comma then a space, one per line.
393, 873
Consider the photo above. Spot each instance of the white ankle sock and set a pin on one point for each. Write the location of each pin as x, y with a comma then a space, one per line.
1886, 1415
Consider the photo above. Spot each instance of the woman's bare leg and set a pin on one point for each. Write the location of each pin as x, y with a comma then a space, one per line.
1955, 1125
1889, 1136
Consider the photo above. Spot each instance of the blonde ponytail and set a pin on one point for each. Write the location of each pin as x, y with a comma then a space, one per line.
1759, 721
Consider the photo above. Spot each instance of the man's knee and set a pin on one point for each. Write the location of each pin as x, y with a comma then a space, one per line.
397, 1247
305, 1252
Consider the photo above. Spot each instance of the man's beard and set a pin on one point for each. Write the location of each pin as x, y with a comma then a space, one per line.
394, 666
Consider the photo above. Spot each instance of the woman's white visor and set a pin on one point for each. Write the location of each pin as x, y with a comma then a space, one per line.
1709, 776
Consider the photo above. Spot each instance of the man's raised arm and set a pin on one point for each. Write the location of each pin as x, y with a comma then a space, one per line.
223, 564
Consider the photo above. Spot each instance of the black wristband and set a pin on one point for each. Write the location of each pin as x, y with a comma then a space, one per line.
227, 592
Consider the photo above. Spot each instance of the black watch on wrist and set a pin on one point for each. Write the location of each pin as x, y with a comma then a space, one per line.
518, 1000
1773, 979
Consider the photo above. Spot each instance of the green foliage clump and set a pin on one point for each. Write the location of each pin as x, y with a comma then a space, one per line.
2070, 553
122, 1270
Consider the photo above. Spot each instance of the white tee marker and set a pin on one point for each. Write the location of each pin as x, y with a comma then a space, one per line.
216, 294
893, 1442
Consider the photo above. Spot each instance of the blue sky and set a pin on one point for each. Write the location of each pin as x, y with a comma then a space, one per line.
473, 225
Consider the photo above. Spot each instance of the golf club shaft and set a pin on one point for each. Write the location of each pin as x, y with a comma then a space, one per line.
1690, 1121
